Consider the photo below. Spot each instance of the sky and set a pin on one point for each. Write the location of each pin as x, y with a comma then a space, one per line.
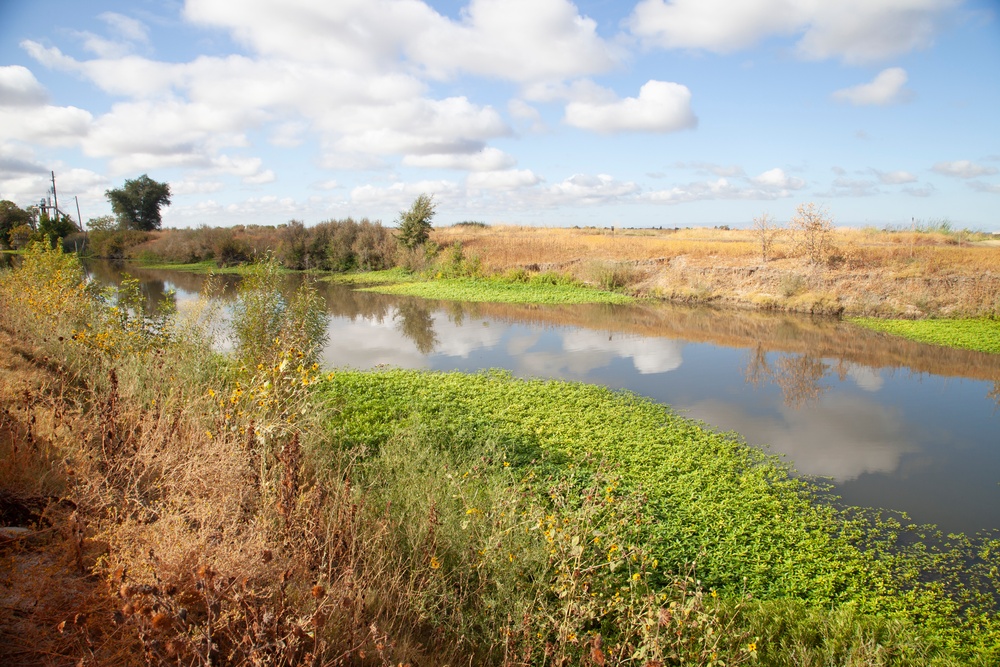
671, 113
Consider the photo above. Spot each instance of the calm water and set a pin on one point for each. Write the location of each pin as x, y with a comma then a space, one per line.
893, 424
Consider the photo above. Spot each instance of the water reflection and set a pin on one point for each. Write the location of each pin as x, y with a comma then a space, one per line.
895, 424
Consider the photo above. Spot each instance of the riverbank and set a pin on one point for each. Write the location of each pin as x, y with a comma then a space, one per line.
432, 517
862, 273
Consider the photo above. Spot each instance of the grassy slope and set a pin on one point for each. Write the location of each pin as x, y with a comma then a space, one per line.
980, 334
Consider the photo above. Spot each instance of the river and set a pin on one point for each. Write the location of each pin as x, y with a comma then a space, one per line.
891, 423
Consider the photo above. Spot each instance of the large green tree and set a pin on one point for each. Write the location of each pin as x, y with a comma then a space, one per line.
415, 224
12, 216
137, 204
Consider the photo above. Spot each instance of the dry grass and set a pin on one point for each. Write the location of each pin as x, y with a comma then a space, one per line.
866, 272
162, 526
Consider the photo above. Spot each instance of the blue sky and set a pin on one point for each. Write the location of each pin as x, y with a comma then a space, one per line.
539, 112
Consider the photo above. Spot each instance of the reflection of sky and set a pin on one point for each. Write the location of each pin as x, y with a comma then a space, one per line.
840, 436
890, 438
885, 437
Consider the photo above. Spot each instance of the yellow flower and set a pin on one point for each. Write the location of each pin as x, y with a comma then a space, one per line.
435, 563
752, 646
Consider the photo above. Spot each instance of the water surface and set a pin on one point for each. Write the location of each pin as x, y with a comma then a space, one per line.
892, 423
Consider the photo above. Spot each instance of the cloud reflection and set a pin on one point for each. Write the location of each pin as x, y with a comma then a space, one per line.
840, 436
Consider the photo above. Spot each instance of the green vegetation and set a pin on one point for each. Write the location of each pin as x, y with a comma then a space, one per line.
137, 203
415, 223
981, 334
433, 517
501, 291
706, 497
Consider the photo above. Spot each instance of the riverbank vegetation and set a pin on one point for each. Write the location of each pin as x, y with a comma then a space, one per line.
982, 334
929, 269
255, 508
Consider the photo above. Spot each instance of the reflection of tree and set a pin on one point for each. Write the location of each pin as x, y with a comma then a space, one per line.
417, 324
798, 376
757, 371
995, 394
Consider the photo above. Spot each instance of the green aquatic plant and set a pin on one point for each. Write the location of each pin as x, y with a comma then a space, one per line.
981, 334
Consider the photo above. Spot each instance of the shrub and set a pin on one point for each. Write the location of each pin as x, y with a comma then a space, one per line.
415, 224
812, 229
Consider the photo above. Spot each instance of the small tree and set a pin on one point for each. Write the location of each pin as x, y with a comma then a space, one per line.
55, 227
766, 231
813, 229
415, 224
137, 204
11, 217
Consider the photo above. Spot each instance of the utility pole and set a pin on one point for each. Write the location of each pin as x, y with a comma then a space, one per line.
54, 195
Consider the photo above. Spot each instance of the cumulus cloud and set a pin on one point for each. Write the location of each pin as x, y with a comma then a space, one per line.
855, 31
661, 106
20, 88
127, 33
47, 125
895, 177
519, 40
509, 179
886, 88
487, 159
778, 179
844, 186
401, 195
515, 40
769, 185
583, 189
963, 169
979, 186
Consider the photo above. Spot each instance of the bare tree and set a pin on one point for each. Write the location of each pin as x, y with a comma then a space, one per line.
766, 231
813, 229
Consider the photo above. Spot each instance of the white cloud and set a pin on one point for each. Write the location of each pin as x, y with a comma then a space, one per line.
518, 40
582, 189
194, 187
769, 185
521, 110
856, 31
47, 125
128, 28
886, 88
661, 106
510, 179
401, 195
979, 186
488, 159
844, 186
963, 169
895, 177
778, 179
20, 88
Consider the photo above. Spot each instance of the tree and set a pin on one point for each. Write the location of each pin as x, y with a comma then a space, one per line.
56, 227
415, 224
102, 223
11, 217
813, 229
766, 231
137, 204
